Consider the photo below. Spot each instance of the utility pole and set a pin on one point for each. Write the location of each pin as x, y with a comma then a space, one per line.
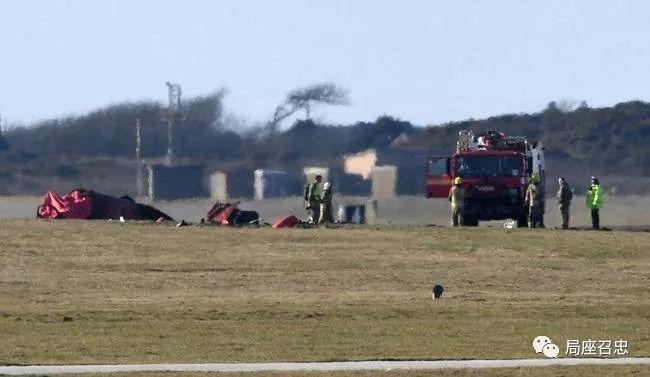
173, 115
138, 139
138, 150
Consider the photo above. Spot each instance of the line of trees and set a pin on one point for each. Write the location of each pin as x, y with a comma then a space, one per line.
602, 141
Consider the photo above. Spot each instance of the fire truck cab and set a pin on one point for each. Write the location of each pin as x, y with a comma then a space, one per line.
496, 170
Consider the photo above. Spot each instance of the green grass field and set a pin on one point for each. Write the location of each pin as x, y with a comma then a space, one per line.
99, 292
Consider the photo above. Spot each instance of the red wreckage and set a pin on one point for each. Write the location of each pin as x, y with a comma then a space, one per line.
90, 205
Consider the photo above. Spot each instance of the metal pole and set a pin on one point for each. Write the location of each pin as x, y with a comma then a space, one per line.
170, 142
138, 147
138, 139
174, 93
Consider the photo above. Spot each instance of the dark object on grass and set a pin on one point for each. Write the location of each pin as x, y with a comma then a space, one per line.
437, 291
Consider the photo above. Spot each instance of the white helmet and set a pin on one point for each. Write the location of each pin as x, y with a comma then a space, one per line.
327, 185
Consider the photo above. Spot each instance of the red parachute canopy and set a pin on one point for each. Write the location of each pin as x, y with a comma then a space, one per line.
75, 205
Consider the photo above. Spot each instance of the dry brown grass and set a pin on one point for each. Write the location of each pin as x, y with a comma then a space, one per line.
98, 292
569, 371
619, 212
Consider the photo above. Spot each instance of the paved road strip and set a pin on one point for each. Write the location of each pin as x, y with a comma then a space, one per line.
314, 366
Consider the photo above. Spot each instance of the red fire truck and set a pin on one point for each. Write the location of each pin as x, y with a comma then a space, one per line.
495, 168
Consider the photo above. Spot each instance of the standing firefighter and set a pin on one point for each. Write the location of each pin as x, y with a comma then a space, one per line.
534, 200
326, 205
313, 196
564, 196
595, 202
457, 201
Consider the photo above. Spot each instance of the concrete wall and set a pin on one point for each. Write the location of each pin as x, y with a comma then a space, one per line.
219, 186
384, 180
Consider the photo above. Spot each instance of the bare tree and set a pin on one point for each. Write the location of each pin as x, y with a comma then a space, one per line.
304, 98
323, 93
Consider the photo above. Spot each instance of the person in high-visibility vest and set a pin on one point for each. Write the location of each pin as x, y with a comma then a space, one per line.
594, 199
313, 196
457, 201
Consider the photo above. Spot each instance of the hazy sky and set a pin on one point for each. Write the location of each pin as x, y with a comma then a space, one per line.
425, 61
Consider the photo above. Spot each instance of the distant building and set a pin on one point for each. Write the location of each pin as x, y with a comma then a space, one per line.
410, 168
178, 182
275, 184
